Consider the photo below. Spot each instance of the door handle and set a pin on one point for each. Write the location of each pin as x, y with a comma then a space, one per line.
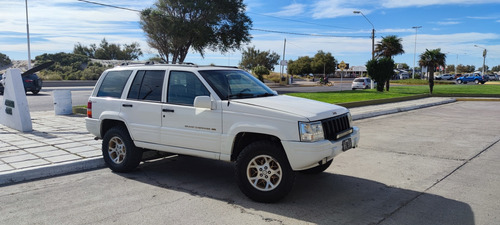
167, 110
127, 105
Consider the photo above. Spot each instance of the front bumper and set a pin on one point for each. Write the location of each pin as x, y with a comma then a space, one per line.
305, 155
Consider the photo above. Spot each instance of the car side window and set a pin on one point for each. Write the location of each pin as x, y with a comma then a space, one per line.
147, 85
114, 83
183, 87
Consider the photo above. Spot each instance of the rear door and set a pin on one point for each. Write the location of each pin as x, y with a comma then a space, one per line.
142, 109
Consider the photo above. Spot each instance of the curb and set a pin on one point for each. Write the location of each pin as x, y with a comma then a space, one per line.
46, 171
400, 109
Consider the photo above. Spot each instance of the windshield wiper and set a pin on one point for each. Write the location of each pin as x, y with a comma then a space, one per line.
242, 95
265, 95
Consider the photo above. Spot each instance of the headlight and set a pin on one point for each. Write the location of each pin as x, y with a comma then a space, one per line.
311, 132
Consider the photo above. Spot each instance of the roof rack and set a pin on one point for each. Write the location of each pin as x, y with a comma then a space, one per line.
185, 64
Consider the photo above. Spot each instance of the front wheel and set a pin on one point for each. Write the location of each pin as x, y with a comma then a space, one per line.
476, 81
459, 81
263, 172
119, 151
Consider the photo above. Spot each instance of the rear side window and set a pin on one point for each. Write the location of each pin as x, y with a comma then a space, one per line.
147, 85
113, 84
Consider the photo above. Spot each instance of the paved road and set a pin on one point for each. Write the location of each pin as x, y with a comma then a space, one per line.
44, 101
428, 166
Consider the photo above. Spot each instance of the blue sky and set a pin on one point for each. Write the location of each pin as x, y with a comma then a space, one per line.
455, 26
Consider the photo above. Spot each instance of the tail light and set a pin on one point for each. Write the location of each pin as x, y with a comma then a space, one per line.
28, 81
89, 109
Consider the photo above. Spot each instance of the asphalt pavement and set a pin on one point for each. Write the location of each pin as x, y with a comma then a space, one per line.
60, 144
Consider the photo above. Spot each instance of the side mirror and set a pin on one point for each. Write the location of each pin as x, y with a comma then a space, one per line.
204, 102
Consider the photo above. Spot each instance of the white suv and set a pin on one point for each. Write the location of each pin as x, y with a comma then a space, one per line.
218, 113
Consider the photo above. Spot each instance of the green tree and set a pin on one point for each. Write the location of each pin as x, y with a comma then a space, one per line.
69, 66
109, 51
260, 71
389, 47
301, 66
380, 70
402, 66
495, 68
174, 26
323, 63
432, 59
450, 68
251, 57
4, 60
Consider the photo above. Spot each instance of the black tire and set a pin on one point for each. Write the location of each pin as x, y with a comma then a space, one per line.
459, 81
35, 92
119, 151
476, 81
318, 169
354, 89
266, 164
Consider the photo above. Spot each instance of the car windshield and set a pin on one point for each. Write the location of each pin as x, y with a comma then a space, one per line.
235, 84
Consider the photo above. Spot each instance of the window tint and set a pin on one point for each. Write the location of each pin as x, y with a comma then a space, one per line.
147, 85
113, 83
183, 87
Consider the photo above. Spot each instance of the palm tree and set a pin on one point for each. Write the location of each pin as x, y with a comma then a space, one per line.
388, 47
432, 59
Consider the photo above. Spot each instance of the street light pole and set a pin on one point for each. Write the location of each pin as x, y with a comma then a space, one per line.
28, 33
415, 52
373, 32
484, 57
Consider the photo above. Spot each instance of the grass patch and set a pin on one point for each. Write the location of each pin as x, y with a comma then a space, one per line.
401, 91
421, 82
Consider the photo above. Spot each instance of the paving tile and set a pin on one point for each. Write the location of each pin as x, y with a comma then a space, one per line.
55, 141
29, 163
81, 149
90, 154
69, 145
5, 167
10, 153
41, 149
19, 158
47, 154
63, 158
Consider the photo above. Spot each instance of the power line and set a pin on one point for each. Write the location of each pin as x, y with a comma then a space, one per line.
302, 34
256, 29
299, 21
112, 6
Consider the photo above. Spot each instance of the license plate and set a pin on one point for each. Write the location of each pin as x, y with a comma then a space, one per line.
346, 144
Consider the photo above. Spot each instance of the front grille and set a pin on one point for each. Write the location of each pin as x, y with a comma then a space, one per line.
334, 126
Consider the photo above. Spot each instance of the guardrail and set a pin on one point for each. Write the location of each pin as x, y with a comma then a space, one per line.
68, 83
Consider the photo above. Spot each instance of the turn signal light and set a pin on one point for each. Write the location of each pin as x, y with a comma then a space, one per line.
89, 109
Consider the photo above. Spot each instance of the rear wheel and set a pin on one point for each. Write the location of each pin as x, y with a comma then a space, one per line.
35, 92
119, 151
476, 81
263, 172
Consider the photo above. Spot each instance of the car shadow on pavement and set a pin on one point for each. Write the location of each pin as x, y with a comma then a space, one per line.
321, 199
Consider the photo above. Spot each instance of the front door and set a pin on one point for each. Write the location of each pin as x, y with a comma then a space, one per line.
185, 126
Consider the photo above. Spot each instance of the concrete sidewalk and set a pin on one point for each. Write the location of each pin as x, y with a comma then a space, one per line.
61, 144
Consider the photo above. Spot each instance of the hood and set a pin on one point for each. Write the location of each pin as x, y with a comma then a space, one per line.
310, 109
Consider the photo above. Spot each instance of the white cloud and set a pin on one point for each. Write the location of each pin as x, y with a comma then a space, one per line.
448, 23
291, 10
420, 3
337, 8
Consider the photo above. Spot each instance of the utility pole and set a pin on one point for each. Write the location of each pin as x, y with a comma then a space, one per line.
415, 52
28, 33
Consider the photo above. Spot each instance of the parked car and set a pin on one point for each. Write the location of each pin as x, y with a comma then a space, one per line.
403, 76
221, 113
31, 83
493, 77
444, 77
361, 83
473, 77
